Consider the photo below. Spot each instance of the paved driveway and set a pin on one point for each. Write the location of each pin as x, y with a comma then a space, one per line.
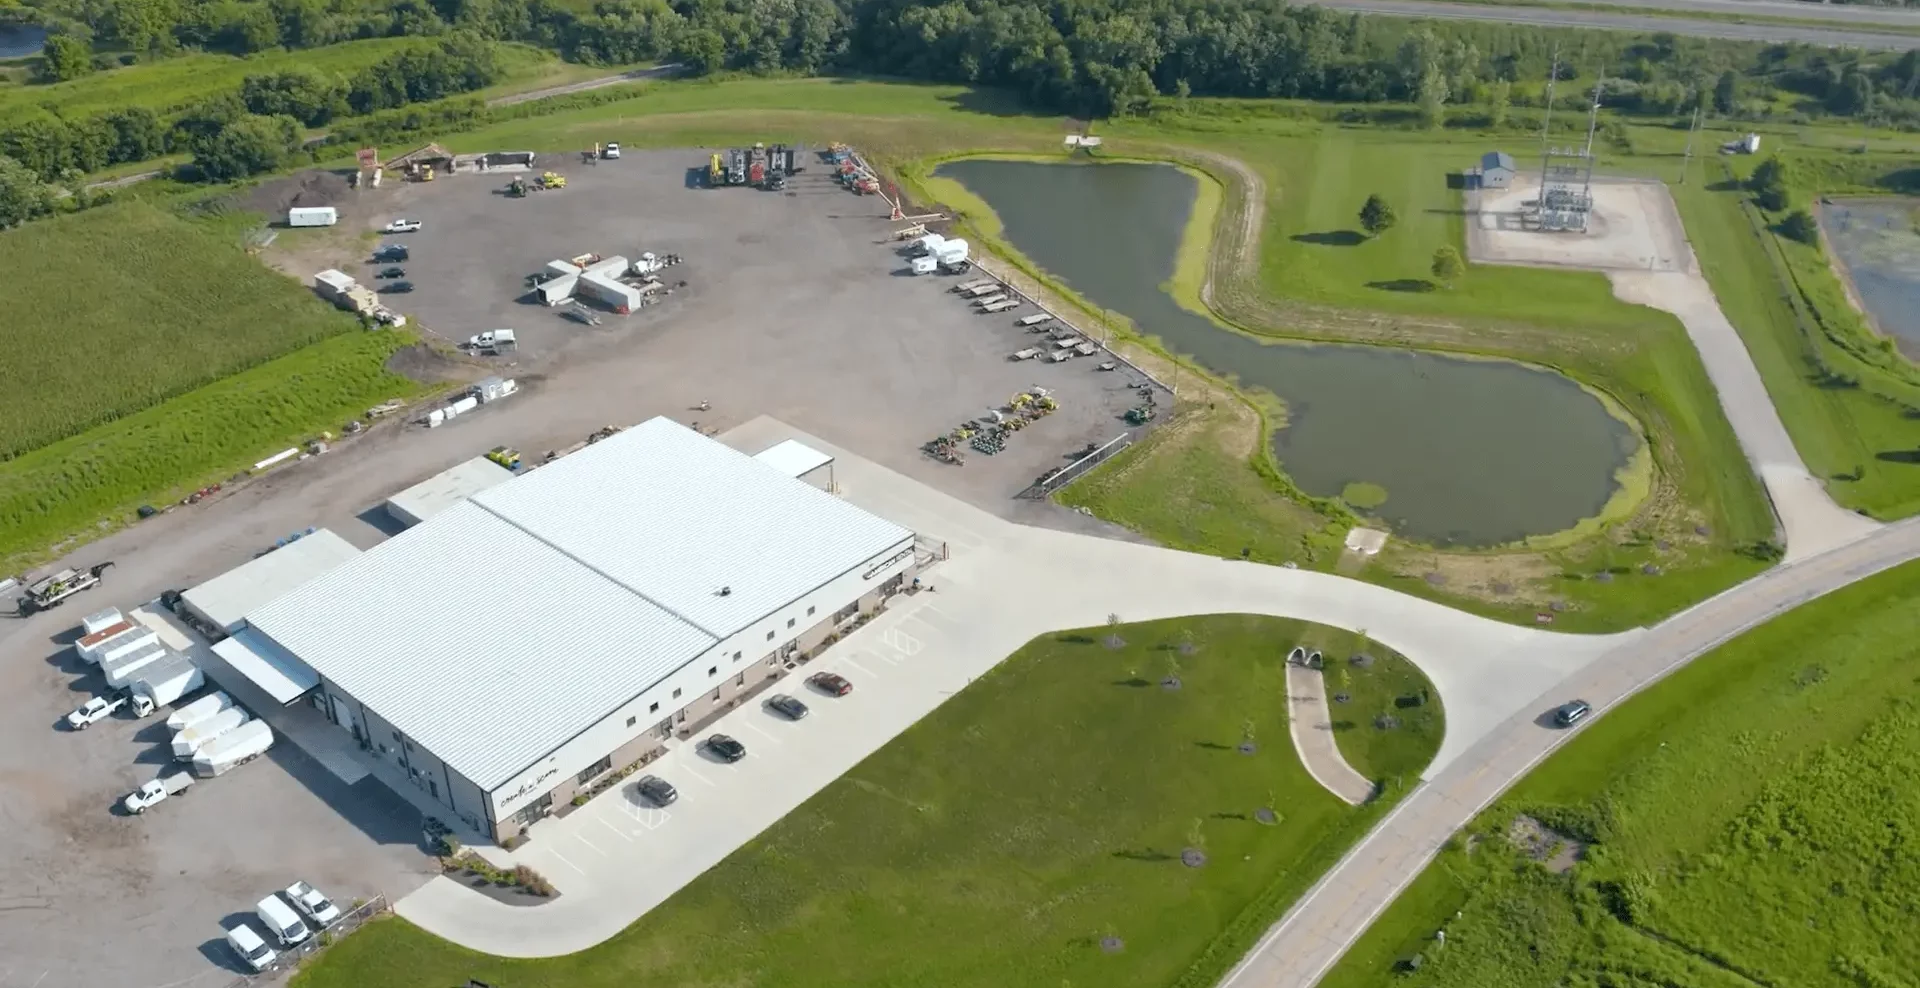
1003, 585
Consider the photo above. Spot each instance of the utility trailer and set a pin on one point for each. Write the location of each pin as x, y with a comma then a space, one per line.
986, 300
1027, 354
1032, 321
233, 749
989, 288
199, 710
194, 737
976, 285
52, 591
1058, 356
1006, 305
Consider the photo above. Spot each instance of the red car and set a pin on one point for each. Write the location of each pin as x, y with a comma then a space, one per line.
830, 683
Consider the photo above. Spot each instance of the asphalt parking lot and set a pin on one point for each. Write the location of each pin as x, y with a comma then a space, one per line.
90, 896
795, 306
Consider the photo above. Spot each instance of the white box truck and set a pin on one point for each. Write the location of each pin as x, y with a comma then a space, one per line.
162, 683
190, 740
233, 749
199, 710
133, 665
281, 921
313, 216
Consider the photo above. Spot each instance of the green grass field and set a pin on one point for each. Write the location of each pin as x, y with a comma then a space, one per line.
1842, 433
994, 843
1382, 731
1751, 816
165, 305
80, 484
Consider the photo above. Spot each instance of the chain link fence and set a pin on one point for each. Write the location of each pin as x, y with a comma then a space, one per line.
290, 958
1045, 486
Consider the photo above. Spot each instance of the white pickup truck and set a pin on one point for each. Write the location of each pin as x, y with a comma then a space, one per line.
96, 709
318, 909
493, 341
401, 226
154, 791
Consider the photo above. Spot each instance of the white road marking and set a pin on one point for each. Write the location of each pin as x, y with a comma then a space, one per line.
906, 644
609, 826
564, 861
749, 726
857, 667
698, 776
590, 845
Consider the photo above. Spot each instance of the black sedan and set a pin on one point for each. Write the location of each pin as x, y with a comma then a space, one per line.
1572, 713
656, 790
726, 748
786, 706
397, 287
830, 684
393, 272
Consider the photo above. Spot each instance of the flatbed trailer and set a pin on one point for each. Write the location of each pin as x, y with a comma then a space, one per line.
52, 591
987, 289
986, 300
1005, 306
968, 286
1032, 321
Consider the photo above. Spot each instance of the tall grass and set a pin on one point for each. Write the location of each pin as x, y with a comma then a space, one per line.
69, 487
119, 308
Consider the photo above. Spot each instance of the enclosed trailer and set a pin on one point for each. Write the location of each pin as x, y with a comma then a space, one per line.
313, 216
233, 749
196, 736
199, 710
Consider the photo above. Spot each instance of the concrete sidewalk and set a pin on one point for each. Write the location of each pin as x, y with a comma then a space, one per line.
1311, 724
613, 859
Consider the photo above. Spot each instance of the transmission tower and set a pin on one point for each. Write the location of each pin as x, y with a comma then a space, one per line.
1566, 178
1693, 131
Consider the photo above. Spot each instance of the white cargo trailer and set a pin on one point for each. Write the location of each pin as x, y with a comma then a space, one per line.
233, 749
313, 216
135, 639
132, 666
927, 245
925, 265
191, 739
199, 710
163, 682
91, 646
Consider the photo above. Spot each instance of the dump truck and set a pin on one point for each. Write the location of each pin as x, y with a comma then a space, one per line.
233, 749
52, 591
154, 791
163, 683
199, 710
190, 740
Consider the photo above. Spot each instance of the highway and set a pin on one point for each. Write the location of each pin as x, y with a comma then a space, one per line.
1313, 935
1854, 33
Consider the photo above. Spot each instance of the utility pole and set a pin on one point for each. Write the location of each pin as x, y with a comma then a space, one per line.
1593, 112
1553, 76
1686, 156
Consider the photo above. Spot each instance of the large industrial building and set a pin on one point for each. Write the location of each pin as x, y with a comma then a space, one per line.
520, 642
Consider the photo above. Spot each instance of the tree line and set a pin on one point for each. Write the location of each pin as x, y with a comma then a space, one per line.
254, 128
1085, 57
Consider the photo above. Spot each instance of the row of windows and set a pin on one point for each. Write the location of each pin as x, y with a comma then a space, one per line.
654, 708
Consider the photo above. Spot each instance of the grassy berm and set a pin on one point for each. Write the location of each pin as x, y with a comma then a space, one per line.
1748, 822
997, 843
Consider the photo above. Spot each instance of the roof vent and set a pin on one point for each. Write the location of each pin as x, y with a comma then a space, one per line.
725, 591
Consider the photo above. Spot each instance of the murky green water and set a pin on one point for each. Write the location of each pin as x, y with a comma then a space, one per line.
1879, 245
1470, 452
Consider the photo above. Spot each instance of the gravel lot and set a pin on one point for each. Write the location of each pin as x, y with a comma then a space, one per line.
91, 896
794, 309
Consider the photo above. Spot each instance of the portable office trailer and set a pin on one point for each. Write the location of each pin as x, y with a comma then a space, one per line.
313, 216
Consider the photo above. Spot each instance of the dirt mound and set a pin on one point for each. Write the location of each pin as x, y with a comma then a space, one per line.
429, 366
305, 190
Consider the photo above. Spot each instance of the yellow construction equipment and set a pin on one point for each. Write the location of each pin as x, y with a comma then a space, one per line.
506, 456
716, 171
426, 173
553, 180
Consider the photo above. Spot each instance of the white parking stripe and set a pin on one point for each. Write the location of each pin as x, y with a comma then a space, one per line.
857, 667
564, 861
609, 826
749, 726
589, 844
696, 775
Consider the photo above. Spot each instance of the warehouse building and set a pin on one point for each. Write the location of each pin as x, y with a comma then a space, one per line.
513, 647
445, 489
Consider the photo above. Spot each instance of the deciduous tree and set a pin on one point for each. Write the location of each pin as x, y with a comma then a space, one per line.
1376, 216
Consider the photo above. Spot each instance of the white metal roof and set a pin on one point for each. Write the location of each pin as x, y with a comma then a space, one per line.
793, 458
272, 668
227, 598
479, 640
677, 516
447, 488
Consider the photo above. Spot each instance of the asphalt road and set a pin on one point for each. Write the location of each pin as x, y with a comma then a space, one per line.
1855, 34
1339, 908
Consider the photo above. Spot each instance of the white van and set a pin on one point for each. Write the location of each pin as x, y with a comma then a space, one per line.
281, 921
250, 947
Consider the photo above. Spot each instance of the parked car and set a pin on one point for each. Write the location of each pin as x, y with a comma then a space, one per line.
1572, 713
391, 252
727, 748
251, 948
397, 287
401, 226
787, 706
393, 272
96, 709
611, 151
831, 684
657, 790
316, 907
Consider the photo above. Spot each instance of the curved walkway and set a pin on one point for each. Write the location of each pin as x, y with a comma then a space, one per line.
1311, 724
1338, 909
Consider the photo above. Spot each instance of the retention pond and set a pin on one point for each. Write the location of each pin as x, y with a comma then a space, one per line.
1879, 250
1469, 452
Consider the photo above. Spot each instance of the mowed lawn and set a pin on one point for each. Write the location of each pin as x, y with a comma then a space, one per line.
1753, 818
116, 309
1316, 252
994, 844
